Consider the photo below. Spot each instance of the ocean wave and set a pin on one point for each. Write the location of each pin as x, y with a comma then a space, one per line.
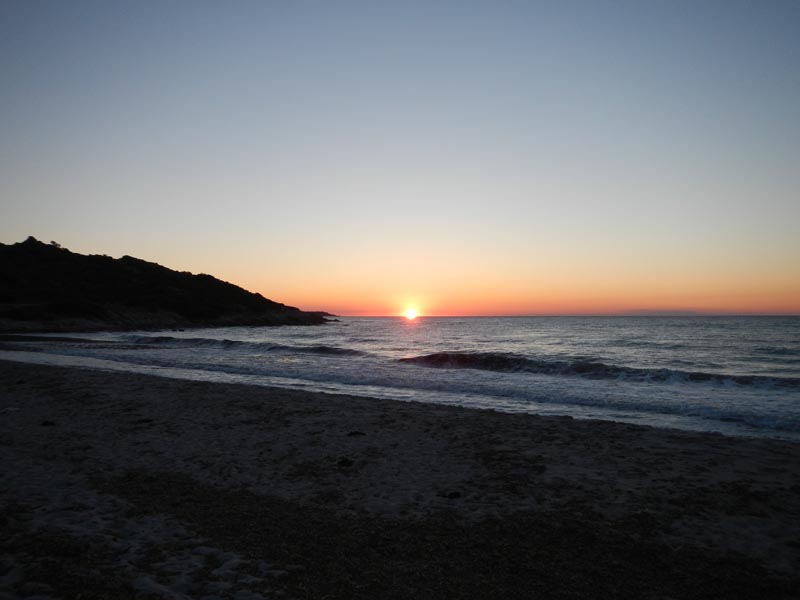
646, 343
181, 342
378, 384
374, 378
322, 349
382, 383
776, 351
515, 363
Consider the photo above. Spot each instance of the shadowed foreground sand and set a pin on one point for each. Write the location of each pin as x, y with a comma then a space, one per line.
126, 486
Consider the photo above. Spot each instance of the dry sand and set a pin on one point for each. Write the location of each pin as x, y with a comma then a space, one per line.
128, 486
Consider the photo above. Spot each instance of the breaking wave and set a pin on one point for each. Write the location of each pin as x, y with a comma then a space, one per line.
225, 344
515, 363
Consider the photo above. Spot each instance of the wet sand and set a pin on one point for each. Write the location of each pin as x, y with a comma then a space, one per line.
130, 486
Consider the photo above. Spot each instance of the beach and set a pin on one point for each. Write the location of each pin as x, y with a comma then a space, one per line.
132, 486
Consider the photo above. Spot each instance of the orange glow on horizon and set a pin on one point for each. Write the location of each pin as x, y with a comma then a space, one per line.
554, 304
514, 291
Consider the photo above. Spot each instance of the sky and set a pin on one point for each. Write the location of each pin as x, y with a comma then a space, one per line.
460, 158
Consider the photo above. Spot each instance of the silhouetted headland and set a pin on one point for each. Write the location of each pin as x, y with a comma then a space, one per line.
48, 288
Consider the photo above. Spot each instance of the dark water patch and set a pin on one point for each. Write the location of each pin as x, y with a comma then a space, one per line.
167, 340
322, 349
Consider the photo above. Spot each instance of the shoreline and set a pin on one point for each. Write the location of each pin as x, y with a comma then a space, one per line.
11, 350
317, 494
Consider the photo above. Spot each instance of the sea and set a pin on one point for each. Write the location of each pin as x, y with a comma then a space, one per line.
737, 376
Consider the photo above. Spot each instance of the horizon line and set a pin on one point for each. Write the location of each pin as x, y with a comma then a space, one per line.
573, 315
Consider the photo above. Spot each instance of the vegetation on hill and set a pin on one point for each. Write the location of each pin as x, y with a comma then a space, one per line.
44, 287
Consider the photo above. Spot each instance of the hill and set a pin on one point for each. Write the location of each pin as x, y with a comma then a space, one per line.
44, 287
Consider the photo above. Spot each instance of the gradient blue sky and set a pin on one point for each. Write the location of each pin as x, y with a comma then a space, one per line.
461, 157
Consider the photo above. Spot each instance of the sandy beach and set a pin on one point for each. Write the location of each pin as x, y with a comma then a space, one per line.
127, 486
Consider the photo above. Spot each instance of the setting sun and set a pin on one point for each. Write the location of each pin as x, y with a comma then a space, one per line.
410, 314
